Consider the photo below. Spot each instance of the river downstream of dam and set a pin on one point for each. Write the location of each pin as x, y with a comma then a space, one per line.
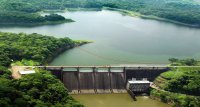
117, 100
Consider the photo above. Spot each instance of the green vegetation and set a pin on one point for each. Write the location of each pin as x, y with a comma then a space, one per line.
23, 18
5, 73
175, 99
25, 62
183, 62
42, 49
179, 11
182, 80
20, 12
179, 87
40, 89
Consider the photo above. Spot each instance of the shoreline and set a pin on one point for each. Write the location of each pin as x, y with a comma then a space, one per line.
129, 13
63, 49
36, 24
136, 14
122, 11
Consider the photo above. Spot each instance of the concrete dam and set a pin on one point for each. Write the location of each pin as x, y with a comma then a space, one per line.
102, 79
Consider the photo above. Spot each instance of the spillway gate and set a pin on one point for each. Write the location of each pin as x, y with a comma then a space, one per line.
102, 79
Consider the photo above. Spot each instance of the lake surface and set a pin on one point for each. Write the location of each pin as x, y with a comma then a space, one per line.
116, 100
119, 39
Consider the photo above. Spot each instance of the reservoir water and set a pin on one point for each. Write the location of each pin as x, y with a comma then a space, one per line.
119, 39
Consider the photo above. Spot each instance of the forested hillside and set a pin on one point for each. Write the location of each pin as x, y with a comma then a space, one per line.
23, 13
15, 47
37, 90
184, 11
179, 87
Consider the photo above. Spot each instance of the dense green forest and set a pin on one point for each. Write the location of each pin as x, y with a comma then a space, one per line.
22, 13
183, 62
36, 90
179, 86
15, 47
40, 89
23, 18
184, 11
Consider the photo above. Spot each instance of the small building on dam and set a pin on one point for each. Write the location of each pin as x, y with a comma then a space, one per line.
138, 86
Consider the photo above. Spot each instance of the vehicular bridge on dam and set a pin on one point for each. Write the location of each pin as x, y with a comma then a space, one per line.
102, 79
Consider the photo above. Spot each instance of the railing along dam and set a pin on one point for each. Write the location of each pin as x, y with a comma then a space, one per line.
102, 79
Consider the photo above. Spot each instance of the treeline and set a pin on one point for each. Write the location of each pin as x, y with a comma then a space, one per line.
23, 18
183, 62
14, 47
180, 87
36, 90
184, 11
25, 13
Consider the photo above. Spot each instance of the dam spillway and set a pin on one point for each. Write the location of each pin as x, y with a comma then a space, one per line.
102, 79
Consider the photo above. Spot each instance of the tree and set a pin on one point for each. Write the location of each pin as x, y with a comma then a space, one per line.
25, 47
54, 17
173, 60
189, 62
5, 73
44, 90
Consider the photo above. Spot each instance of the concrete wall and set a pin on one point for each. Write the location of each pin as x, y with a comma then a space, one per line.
74, 80
70, 80
118, 80
150, 74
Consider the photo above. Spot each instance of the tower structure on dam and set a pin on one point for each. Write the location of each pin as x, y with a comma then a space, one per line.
102, 79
